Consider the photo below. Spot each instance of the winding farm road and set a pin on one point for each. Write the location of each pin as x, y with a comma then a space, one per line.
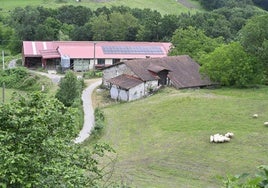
88, 112
87, 106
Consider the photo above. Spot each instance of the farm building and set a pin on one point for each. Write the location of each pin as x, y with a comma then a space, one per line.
133, 79
86, 55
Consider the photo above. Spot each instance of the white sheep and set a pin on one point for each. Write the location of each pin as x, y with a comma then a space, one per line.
229, 134
255, 116
266, 123
218, 138
211, 138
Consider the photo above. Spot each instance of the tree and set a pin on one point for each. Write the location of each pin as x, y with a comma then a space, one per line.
151, 25
25, 21
230, 65
123, 26
76, 15
254, 38
69, 89
100, 28
193, 42
49, 30
36, 133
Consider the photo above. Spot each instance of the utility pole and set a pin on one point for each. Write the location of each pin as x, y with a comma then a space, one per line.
3, 60
94, 58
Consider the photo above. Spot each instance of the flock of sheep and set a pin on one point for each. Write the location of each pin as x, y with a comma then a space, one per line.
218, 138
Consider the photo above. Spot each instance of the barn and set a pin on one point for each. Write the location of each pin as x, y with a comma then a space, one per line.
177, 71
86, 55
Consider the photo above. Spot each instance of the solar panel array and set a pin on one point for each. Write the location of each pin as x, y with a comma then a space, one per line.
141, 50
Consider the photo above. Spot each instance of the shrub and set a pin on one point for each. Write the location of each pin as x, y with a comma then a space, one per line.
70, 89
99, 122
92, 74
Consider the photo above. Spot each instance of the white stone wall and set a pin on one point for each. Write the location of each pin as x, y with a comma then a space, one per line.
114, 72
136, 92
114, 92
150, 85
119, 94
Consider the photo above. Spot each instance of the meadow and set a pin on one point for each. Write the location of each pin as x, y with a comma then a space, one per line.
164, 7
163, 140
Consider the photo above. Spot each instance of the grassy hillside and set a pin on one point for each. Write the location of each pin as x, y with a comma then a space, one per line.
163, 6
163, 140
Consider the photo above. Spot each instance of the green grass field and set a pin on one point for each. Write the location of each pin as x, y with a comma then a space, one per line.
163, 140
163, 6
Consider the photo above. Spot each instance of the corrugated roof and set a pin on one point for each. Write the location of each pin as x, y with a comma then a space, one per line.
183, 71
125, 81
48, 54
85, 49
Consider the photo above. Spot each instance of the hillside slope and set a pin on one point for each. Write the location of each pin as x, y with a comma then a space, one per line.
163, 140
164, 7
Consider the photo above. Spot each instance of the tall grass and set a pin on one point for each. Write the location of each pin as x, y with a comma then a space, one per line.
163, 140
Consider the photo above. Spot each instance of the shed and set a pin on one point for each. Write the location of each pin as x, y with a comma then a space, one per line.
126, 88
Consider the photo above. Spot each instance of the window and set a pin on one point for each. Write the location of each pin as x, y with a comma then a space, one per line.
116, 61
101, 61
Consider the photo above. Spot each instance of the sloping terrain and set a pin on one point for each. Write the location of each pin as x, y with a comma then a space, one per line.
163, 140
164, 7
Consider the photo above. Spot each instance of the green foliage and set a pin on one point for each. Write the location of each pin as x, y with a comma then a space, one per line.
193, 42
20, 78
92, 74
254, 38
259, 180
230, 65
37, 150
99, 122
70, 88
215, 4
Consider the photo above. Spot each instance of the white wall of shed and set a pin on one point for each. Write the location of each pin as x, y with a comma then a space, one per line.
136, 92
151, 85
123, 95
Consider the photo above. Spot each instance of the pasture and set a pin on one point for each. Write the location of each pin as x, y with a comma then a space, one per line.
164, 7
163, 140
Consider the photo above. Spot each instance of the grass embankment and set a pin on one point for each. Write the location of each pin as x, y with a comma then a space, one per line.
163, 140
164, 7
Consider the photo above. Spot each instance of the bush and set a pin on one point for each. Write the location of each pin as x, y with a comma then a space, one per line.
70, 89
92, 74
99, 122
19, 78
245, 181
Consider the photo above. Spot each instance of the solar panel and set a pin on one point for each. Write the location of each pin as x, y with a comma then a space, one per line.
141, 50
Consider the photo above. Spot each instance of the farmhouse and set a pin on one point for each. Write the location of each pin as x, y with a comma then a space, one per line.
133, 79
86, 55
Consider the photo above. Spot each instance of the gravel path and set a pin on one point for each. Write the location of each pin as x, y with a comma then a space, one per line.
88, 112
87, 106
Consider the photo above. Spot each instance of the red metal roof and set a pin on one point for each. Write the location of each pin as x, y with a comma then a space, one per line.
48, 54
85, 49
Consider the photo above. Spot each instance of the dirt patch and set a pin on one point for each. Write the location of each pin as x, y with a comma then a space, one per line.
187, 4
